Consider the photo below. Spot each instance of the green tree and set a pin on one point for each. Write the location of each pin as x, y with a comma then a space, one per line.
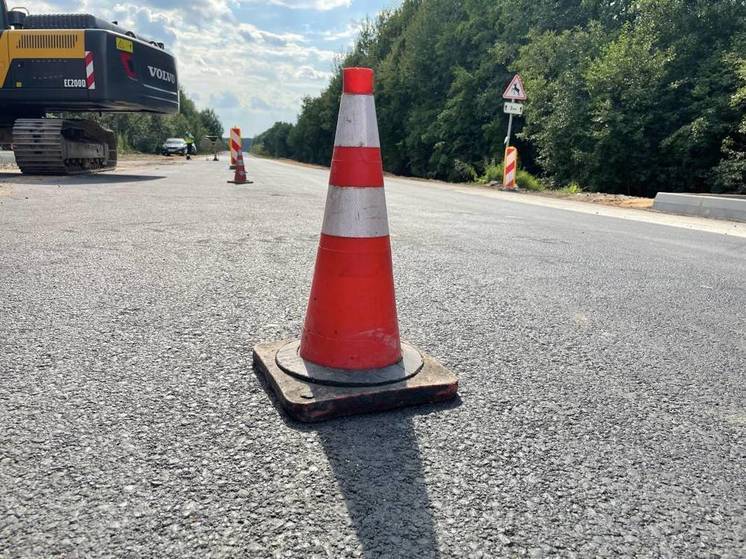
625, 117
628, 96
730, 174
273, 142
211, 123
558, 117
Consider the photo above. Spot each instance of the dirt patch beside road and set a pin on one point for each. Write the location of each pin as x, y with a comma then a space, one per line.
616, 200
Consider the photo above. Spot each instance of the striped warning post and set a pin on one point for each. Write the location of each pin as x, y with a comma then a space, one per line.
235, 144
511, 166
90, 74
351, 321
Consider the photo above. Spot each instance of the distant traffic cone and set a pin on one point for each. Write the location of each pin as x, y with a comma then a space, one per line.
350, 358
240, 175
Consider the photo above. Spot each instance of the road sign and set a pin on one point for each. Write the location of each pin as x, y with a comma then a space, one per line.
516, 90
513, 108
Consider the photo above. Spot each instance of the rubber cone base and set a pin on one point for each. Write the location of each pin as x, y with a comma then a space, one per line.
329, 393
239, 183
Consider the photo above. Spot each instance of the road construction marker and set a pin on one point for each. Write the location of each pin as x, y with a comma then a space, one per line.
350, 358
235, 144
511, 168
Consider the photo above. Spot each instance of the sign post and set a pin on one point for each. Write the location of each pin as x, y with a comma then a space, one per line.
213, 146
515, 92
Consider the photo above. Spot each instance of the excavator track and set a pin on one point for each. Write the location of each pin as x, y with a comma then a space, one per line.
50, 146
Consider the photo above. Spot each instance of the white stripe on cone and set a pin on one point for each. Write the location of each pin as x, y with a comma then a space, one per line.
360, 110
355, 212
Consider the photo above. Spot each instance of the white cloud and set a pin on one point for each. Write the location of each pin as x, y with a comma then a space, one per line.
322, 5
349, 32
253, 33
248, 74
309, 73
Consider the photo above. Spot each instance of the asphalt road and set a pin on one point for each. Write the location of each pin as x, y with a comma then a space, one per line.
601, 356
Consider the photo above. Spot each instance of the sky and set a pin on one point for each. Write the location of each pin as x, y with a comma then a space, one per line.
252, 61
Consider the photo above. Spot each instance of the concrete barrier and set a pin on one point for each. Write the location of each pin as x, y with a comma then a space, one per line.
717, 206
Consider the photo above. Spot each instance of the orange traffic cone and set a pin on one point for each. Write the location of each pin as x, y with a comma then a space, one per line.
351, 321
240, 175
350, 358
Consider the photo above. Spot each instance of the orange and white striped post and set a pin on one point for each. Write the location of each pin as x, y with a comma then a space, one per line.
235, 144
350, 358
510, 168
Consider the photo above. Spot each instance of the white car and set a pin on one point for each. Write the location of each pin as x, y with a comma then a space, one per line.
174, 146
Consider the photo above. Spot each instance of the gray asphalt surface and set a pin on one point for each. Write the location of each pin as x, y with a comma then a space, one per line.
602, 363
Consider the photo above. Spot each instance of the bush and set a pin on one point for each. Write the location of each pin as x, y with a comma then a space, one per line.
730, 174
493, 172
465, 171
572, 188
529, 182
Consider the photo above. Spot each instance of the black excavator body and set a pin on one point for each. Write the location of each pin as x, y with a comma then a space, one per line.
75, 63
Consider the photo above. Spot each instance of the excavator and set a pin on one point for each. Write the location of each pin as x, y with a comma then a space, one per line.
75, 63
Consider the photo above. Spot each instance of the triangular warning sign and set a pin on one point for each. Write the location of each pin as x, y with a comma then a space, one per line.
516, 90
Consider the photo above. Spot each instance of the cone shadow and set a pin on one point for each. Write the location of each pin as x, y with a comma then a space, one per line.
377, 464
375, 458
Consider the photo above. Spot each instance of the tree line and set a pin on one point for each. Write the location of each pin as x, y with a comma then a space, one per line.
145, 133
625, 96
